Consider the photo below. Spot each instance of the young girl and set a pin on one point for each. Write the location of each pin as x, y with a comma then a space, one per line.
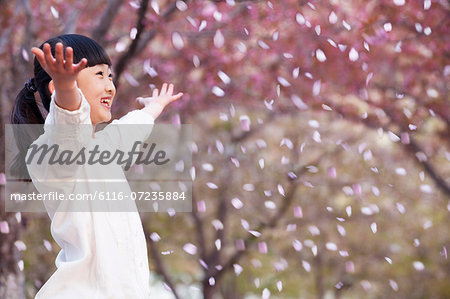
103, 254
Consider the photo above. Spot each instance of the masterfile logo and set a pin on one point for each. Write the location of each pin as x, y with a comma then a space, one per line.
117, 168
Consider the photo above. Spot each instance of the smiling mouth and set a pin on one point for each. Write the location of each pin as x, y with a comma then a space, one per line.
106, 102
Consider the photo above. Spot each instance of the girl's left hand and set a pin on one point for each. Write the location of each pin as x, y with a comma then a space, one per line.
155, 104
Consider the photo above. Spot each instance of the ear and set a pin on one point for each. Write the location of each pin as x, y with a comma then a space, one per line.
51, 87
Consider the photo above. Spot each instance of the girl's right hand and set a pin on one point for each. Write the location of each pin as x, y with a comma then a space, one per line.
63, 72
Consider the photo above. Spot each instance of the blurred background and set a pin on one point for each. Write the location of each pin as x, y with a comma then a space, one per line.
321, 142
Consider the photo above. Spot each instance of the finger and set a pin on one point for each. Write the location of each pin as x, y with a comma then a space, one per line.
141, 100
69, 59
170, 90
39, 56
155, 93
59, 56
48, 55
164, 89
80, 65
176, 97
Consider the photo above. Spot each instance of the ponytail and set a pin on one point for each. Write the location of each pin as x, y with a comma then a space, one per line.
25, 111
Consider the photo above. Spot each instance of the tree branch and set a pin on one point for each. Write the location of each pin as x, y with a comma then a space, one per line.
159, 265
99, 33
131, 52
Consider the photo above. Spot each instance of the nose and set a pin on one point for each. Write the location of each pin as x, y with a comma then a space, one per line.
109, 86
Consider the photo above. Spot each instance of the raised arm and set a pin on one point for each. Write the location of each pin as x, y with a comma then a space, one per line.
63, 74
155, 104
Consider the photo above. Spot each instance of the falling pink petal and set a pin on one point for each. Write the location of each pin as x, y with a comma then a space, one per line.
245, 122
279, 285
283, 81
262, 247
357, 189
248, 187
320, 55
255, 233
348, 210
25, 55
201, 206
404, 137
331, 246
281, 190
393, 285
155, 6
306, 266
177, 41
48, 245
350, 267
332, 172
332, 18
211, 281
300, 18
190, 248
291, 227
341, 230
316, 88
270, 205
245, 224
218, 39
211, 185
18, 217
348, 190
202, 26
444, 252
207, 167
298, 212
237, 203
4, 227
20, 245
138, 168
346, 25
237, 269
218, 225
263, 45
353, 55
426, 189
155, 237
240, 244
218, 91
235, 161
133, 82
54, 12
297, 245
418, 265
218, 244
316, 137
298, 102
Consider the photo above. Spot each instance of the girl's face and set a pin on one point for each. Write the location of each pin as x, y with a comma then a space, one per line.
97, 86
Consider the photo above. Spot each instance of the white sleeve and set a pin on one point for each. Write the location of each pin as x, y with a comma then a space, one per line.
68, 130
121, 134
59, 115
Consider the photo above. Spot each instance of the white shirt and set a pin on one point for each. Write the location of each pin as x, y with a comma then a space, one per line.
103, 254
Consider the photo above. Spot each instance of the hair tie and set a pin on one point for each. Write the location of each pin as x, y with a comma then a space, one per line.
30, 85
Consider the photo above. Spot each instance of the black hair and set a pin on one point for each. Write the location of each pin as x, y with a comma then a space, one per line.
26, 110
